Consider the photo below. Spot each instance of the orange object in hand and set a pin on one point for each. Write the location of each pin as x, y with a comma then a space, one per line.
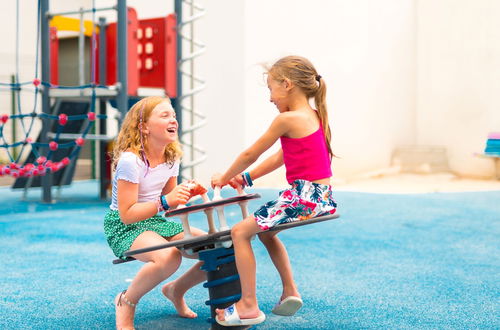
195, 188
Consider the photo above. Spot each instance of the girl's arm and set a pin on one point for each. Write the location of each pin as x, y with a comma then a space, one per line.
267, 166
169, 186
131, 211
278, 127
176, 194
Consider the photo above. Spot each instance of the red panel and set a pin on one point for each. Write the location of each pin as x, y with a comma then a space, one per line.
152, 47
111, 61
54, 56
132, 56
111, 50
171, 57
96, 59
157, 41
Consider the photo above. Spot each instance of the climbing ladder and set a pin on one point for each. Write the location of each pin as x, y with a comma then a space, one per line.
189, 84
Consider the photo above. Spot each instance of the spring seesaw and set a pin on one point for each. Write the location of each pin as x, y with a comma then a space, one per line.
217, 237
214, 249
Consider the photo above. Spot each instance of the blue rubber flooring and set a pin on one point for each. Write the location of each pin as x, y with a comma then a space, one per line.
418, 261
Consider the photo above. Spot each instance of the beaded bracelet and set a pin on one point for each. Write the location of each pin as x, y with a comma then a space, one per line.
161, 204
159, 207
247, 179
163, 200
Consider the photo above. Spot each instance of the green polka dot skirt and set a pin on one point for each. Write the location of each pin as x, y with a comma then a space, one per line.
121, 236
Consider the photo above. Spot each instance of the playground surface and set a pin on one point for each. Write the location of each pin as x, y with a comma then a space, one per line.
393, 260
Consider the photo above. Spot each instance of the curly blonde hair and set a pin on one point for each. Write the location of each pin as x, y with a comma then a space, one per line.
129, 137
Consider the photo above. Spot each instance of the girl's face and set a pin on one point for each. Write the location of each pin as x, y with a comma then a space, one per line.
162, 124
279, 94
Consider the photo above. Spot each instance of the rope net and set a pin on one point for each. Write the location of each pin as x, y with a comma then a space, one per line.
44, 152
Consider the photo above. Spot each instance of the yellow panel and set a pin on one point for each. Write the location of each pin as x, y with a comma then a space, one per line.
62, 23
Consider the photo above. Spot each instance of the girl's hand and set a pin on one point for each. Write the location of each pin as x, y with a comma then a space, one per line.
179, 195
195, 188
217, 181
237, 181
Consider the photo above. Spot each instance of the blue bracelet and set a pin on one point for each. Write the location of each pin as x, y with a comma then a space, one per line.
164, 203
247, 179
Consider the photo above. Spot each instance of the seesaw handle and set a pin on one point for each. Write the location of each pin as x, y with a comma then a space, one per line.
210, 215
220, 210
185, 222
217, 195
244, 204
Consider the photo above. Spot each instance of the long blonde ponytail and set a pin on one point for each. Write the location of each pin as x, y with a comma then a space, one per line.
320, 103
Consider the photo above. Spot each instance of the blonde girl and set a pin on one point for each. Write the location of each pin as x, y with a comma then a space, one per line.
146, 163
305, 151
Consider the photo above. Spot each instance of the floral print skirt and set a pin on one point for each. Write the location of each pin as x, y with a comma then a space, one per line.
304, 200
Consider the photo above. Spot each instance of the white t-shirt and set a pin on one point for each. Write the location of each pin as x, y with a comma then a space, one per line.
131, 168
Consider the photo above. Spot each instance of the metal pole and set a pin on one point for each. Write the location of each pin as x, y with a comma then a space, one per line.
102, 51
45, 75
176, 103
104, 180
13, 93
66, 13
192, 85
81, 51
122, 97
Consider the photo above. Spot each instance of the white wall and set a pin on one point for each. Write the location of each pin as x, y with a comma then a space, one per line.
458, 100
364, 50
222, 66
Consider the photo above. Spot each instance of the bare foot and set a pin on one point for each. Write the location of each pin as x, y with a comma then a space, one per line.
124, 314
245, 312
182, 309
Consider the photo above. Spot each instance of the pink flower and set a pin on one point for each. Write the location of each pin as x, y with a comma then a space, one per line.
288, 194
307, 204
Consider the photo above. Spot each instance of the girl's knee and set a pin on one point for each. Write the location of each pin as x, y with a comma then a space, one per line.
265, 238
238, 231
245, 229
168, 257
268, 238
197, 232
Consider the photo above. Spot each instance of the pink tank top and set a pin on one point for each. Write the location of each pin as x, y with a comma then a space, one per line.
306, 158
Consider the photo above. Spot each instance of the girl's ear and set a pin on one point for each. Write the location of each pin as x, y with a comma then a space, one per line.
143, 128
287, 84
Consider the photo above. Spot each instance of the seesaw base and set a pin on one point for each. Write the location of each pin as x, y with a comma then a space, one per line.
223, 282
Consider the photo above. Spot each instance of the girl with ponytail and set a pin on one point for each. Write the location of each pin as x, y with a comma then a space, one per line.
305, 151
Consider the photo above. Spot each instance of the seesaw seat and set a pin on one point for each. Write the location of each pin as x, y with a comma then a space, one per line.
218, 237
